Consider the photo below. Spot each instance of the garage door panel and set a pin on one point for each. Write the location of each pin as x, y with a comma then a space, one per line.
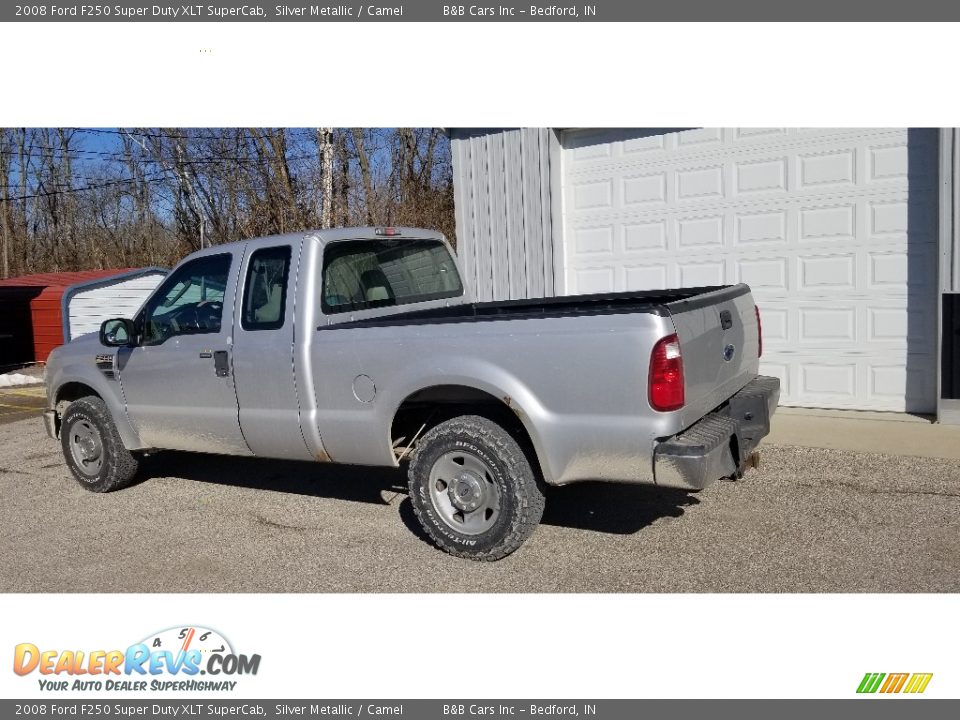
823, 169
767, 275
772, 267
644, 190
698, 274
652, 276
700, 137
828, 223
834, 326
855, 382
755, 228
754, 176
880, 324
594, 240
895, 270
699, 183
825, 272
635, 149
700, 232
884, 213
592, 195
829, 382
645, 236
834, 230
595, 279
888, 162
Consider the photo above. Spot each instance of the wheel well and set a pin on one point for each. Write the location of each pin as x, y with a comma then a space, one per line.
72, 391
427, 408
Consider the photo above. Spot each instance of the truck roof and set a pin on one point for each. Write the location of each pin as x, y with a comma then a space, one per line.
394, 232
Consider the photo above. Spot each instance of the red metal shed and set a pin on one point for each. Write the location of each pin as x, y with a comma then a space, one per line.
31, 316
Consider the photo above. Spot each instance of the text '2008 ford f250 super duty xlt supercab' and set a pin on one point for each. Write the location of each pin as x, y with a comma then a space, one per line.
362, 346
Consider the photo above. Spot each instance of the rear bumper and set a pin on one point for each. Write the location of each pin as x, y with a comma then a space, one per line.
719, 444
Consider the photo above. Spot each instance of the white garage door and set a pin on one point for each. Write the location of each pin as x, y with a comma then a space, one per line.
835, 231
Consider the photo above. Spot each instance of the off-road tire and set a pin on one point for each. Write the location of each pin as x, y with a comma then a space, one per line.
118, 466
521, 498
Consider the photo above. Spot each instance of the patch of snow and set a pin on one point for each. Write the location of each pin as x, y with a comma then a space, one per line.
18, 379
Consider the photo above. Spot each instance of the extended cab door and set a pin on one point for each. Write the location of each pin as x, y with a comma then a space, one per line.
178, 382
263, 351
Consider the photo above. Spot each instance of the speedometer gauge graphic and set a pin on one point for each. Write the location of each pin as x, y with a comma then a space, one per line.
189, 637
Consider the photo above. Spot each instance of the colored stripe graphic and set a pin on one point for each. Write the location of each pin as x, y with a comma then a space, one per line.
918, 682
894, 682
870, 682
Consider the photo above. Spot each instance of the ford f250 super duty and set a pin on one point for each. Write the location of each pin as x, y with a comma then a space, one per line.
363, 346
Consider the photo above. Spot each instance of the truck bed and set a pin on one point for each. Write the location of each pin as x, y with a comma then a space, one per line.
656, 302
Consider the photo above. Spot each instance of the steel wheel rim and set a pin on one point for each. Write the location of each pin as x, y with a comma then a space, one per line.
86, 448
464, 492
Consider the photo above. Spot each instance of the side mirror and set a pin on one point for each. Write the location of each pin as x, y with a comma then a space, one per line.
118, 332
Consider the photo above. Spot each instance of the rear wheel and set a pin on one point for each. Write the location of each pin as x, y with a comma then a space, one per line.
473, 489
93, 449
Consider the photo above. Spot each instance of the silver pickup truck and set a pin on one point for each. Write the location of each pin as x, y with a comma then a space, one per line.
362, 346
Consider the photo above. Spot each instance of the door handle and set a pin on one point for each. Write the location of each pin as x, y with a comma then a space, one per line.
220, 363
726, 319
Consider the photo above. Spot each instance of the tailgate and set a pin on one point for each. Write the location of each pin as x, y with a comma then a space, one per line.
719, 345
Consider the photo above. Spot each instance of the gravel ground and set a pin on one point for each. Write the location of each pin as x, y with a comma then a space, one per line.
806, 521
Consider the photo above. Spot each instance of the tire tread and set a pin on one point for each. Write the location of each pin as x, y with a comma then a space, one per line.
120, 465
529, 490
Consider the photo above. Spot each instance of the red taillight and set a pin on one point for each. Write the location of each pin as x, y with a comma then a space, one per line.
666, 375
756, 309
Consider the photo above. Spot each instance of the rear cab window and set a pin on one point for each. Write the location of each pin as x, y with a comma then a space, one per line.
362, 274
265, 289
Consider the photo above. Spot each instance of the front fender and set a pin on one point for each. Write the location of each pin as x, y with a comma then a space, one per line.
84, 371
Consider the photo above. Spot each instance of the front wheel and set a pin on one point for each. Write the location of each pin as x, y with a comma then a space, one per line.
92, 447
473, 489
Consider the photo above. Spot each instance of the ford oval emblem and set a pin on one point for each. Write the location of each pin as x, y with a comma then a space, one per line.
728, 352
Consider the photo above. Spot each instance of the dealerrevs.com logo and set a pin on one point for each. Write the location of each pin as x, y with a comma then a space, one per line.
172, 659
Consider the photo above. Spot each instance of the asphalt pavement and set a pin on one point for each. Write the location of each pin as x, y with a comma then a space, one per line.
809, 520
21, 402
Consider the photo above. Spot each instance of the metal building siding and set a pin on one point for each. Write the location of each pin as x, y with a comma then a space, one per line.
45, 292
89, 307
45, 295
502, 196
45, 312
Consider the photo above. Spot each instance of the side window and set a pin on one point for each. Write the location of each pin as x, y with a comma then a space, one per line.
189, 302
265, 289
361, 274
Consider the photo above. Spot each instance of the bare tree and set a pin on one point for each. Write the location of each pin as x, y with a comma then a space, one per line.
363, 160
75, 199
325, 147
6, 150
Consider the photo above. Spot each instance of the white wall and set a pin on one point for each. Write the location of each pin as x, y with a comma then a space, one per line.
88, 308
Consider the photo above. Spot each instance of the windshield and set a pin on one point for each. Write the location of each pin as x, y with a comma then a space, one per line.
359, 274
